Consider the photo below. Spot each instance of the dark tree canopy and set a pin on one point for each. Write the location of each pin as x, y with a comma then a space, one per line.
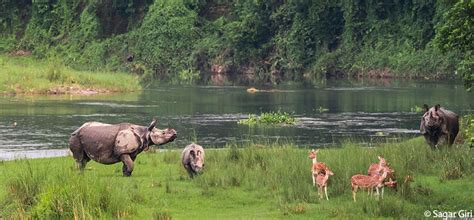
248, 41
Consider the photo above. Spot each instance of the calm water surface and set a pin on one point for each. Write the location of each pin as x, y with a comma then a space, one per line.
209, 114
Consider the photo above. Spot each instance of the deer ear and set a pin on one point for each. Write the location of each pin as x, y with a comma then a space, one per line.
192, 153
316, 151
437, 107
152, 124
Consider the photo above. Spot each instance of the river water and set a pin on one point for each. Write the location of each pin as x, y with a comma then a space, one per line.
208, 115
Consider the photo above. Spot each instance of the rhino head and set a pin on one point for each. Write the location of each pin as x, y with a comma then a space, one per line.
432, 120
160, 137
197, 160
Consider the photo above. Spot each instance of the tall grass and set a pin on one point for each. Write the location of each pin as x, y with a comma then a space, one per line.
247, 178
26, 75
64, 193
283, 172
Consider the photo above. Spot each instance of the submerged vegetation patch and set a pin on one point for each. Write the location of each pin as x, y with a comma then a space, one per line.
278, 117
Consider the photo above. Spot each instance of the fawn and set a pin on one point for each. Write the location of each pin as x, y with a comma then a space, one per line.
322, 181
375, 169
317, 167
369, 182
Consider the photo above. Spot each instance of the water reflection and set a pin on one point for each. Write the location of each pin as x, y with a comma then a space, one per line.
209, 114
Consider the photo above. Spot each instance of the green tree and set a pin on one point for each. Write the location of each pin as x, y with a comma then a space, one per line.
456, 34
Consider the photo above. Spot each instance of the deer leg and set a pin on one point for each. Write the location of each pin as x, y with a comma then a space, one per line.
378, 195
382, 191
326, 192
314, 180
354, 191
320, 193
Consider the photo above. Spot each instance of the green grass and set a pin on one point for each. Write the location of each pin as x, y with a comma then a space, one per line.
269, 118
25, 75
467, 128
240, 182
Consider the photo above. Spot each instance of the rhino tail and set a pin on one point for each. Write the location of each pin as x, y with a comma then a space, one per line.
76, 147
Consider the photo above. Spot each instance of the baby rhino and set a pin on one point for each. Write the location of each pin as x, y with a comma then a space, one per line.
193, 159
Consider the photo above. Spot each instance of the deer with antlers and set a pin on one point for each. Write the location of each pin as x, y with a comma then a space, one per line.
317, 167
369, 182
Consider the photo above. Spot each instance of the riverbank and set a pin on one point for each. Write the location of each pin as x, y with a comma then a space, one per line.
256, 181
26, 75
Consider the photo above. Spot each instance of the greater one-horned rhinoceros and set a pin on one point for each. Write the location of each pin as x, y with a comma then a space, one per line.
439, 124
112, 143
192, 158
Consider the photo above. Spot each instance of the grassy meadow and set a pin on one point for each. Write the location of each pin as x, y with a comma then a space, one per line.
26, 75
240, 182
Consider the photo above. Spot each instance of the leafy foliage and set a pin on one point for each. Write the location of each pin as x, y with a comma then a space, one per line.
455, 34
253, 41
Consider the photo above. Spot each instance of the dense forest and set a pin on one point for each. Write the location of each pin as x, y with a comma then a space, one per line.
247, 41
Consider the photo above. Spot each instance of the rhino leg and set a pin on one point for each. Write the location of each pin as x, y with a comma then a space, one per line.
432, 141
127, 164
82, 163
191, 172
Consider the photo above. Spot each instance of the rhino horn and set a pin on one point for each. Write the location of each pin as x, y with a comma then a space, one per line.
152, 124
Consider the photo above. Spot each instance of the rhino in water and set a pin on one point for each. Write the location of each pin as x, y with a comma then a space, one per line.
439, 124
192, 159
113, 143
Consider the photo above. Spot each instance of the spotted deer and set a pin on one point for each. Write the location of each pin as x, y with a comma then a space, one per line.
369, 182
375, 169
317, 167
322, 182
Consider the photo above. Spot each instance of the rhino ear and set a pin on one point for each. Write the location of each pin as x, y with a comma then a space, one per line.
152, 124
437, 106
425, 108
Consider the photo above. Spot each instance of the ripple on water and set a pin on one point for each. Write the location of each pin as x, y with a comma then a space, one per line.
359, 89
116, 105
